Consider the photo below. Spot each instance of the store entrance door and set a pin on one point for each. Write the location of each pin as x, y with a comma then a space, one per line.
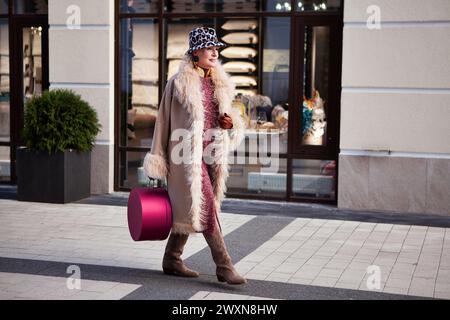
29, 71
314, 118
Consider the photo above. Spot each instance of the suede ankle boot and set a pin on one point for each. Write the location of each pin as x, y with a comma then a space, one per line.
172, 263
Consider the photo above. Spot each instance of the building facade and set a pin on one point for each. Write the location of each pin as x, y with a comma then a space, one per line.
345, 102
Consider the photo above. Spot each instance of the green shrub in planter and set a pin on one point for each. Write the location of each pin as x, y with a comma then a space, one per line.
59, 120
59, 133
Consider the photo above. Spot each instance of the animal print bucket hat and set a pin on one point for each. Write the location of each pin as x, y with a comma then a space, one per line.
203, 37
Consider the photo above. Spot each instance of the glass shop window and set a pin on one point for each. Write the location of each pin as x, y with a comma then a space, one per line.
262, 97
30, 6
139, 80
226, 6
316, 85
5, 162
139, 6
3, 6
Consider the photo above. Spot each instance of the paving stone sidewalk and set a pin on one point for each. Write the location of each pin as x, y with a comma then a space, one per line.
284, 257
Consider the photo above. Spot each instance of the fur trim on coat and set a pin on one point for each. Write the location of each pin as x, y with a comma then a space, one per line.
187, 89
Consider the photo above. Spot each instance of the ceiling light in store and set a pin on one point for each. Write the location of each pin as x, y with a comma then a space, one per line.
321, 6
284, 6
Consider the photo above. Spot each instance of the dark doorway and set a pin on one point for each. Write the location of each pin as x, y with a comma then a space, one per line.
28, 69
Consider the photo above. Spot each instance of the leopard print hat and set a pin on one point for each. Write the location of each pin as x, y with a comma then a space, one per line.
203, 37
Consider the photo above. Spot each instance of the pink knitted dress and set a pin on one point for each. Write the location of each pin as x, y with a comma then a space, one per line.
211, 112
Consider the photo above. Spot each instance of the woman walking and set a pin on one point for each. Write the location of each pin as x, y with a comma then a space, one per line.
196, 101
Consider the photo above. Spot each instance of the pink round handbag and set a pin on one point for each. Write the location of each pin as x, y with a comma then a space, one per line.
149, 214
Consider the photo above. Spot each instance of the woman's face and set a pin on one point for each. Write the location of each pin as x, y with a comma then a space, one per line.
207, 57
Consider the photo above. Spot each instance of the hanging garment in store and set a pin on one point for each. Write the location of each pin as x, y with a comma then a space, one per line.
244, 81
241, 38
239, 66
238, 52
145, 70
240, 24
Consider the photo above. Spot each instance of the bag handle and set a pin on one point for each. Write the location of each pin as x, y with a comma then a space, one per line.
157, 183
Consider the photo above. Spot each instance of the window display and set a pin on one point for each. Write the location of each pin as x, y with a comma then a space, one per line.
315, 97
258, 60
314, 5
240, 57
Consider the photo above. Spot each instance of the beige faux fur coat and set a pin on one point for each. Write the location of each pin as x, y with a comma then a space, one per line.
181, 107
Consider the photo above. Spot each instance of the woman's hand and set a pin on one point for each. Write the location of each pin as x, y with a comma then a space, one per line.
225, 121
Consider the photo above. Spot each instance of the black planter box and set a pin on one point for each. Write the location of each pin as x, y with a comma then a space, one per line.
58, 178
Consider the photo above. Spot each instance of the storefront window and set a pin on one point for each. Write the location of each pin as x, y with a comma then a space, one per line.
5, 164
314, 178
32, 61
316, 85
4, 82
139, 6
318, 5
263, 94
132, 173
139, 83
3, 6
226, 6
31, 6
258, 176
139, 70
257, 58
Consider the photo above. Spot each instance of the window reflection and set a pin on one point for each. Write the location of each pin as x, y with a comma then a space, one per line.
132, 170
139, 70
139, 6
4, 82
3, 6
31, 6
5, 164
139, 80
314, 178
32, 61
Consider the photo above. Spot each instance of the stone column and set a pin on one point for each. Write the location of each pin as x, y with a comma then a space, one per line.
81, 58
395, 136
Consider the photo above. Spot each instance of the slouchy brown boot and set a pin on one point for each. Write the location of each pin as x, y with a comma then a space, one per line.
172, 263
225, 270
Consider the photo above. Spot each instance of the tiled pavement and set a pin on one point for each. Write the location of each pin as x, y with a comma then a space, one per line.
283, 257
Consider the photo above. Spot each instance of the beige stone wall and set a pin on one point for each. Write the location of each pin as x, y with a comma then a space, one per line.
395, 131
82, 59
